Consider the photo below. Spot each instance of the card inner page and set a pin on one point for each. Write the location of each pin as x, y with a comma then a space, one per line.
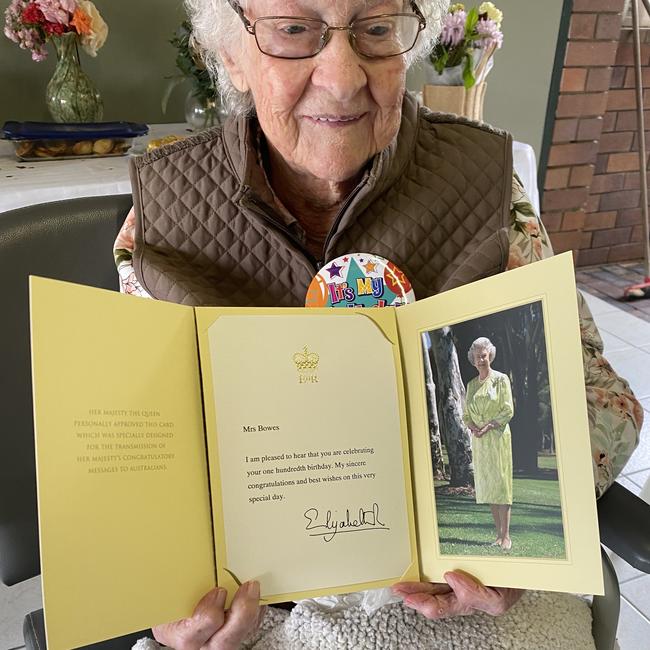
307, 450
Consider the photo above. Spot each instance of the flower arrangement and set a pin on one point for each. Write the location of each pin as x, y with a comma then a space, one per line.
202, 104
189, 62
466, 34
31, 23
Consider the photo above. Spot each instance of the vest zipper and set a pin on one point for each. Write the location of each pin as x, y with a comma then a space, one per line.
285, 231
339, 216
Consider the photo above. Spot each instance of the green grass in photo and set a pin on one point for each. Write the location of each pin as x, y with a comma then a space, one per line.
467, 528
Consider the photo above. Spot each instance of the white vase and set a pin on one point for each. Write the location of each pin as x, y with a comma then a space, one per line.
454, 76
448, 77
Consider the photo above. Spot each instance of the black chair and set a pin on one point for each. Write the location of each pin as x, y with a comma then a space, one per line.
72, 240
66, 240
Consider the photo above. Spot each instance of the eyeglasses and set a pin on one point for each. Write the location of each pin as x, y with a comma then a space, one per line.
295, 37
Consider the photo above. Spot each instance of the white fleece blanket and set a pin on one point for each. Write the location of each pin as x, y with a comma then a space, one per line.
540, 621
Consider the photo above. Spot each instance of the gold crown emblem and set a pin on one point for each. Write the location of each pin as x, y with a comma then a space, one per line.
306, 360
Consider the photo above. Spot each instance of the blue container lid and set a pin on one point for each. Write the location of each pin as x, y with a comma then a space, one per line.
72, 131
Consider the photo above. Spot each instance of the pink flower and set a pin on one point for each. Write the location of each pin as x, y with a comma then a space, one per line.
453, 28
26, 36
11, 34
29, 23
489, 33
13, 19
57, 11
39, 55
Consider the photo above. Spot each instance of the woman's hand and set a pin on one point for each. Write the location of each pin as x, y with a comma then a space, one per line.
213, 628
479, 433
460, 596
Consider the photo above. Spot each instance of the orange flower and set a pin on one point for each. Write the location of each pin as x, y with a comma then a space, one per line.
96, 37
81, 21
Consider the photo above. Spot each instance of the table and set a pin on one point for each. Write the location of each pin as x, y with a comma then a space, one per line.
27, 183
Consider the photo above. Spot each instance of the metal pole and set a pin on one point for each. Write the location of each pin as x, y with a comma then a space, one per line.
641, 134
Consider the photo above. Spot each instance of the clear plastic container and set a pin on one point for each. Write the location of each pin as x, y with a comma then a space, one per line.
35, 141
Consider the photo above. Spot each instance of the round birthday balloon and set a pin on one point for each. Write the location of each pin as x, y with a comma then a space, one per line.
359, 280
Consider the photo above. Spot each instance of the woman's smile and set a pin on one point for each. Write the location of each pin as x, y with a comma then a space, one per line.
335, 120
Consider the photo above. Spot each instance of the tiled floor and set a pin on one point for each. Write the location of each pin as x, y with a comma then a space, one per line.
627, 346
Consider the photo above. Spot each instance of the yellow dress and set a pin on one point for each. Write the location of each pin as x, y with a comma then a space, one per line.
487, 401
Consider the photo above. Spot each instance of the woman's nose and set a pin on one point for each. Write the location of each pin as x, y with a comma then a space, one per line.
338, 68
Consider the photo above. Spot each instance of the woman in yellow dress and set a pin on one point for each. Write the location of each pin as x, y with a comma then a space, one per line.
488, 409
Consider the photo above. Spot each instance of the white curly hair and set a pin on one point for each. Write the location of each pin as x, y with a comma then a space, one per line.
481, 343
216, 26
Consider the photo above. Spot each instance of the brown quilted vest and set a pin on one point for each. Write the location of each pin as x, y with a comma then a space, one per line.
436, 203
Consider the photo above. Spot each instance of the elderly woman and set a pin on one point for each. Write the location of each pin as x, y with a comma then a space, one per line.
488, 409
325, 154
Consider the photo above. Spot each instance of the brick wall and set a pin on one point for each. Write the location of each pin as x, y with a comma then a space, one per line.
591, 190
614, 194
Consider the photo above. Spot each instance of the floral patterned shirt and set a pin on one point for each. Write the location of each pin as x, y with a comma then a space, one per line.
615, 415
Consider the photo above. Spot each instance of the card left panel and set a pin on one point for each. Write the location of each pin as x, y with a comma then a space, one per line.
124, 510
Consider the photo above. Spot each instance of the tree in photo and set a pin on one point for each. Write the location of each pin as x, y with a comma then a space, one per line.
450, 399
437, 461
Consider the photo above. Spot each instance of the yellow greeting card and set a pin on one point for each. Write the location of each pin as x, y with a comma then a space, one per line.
317, 451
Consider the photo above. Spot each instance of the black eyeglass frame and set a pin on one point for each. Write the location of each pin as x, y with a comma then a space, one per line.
325, 38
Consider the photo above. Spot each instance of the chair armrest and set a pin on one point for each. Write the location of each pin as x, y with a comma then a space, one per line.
624, 522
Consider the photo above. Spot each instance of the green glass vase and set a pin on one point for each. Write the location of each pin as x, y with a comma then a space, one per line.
71, 95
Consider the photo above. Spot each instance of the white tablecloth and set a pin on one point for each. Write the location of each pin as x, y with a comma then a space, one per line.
27, 183
523, 158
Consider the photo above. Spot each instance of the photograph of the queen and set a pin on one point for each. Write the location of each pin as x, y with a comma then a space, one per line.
488, 410
492, 437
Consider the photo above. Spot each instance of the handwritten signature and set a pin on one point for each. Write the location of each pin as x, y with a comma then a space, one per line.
351, 523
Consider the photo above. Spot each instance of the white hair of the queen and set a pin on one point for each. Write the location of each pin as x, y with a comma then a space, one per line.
481, 343
216, 26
